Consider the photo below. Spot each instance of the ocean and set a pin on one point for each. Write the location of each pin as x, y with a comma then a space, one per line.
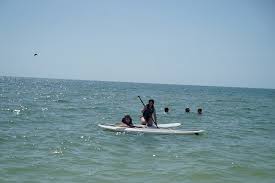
49, 133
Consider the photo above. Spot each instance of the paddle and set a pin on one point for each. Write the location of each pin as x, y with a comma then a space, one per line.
144, 106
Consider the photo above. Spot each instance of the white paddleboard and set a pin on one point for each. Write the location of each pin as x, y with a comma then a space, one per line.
164, 125
151, 130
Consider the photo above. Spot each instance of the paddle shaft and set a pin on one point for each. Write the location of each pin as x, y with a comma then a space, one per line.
144, 106
141, 101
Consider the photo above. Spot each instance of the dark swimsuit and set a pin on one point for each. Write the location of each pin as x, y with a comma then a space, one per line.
148, 112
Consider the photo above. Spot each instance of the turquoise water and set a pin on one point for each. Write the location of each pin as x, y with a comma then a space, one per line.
49, 133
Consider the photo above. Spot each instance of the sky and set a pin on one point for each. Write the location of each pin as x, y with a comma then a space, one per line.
189, 42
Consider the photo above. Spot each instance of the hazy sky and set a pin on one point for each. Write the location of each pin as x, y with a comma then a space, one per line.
197, 42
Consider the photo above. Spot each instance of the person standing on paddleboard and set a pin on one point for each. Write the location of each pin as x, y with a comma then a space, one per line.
149, 114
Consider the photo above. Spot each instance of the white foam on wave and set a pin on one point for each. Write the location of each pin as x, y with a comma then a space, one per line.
44, 108
17, 111
57, 151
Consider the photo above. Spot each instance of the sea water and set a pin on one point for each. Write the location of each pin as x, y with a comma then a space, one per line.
49, 133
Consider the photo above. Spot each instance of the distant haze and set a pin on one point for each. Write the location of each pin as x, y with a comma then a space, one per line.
193, 42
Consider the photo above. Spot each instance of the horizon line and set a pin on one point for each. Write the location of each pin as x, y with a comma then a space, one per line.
136, 82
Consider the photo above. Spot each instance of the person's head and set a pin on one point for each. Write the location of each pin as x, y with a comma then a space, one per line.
199, 111
166, 109
187, 109
127, 120
151, 102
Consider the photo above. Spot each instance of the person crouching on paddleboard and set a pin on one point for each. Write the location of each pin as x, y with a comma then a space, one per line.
149, 114
126, 122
